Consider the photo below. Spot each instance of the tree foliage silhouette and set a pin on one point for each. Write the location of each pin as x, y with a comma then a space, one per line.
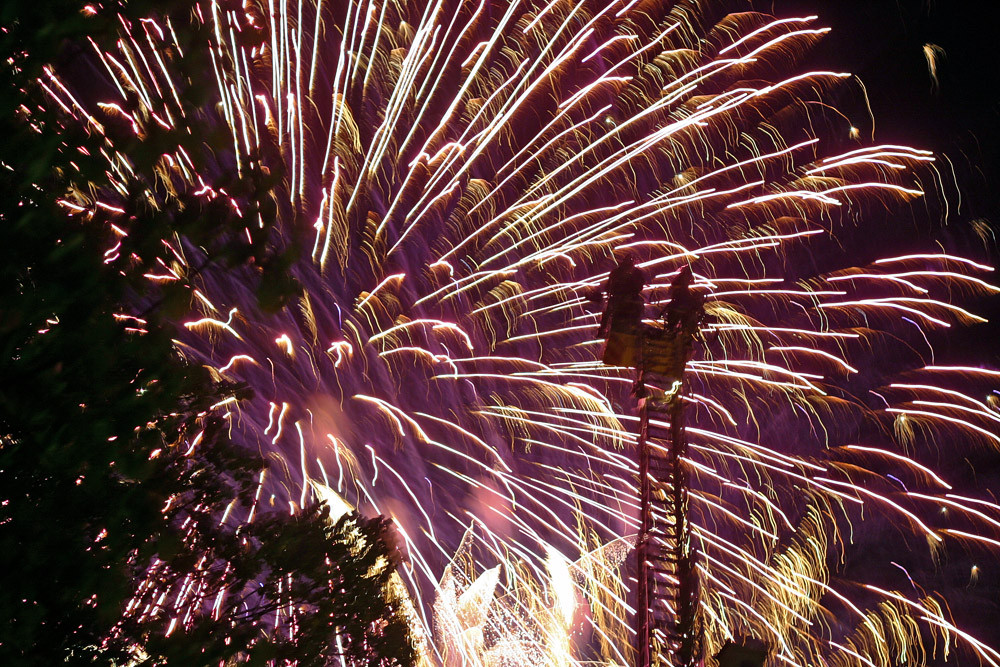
115, 471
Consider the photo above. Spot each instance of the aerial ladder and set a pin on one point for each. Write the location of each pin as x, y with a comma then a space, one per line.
668, 631
667, 623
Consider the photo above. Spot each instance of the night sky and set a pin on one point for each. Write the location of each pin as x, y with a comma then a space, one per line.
882, 42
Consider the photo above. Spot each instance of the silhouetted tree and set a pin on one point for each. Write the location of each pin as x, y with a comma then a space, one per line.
115, 471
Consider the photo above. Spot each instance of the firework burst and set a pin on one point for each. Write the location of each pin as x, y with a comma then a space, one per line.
459, 175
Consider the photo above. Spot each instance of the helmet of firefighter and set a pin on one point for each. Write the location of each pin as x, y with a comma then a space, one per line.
625, 256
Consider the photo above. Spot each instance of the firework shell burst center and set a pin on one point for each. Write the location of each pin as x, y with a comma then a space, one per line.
460, 175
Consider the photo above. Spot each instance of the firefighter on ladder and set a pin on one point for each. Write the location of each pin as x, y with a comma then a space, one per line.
621, 322
685, 309
681, 319
627, 340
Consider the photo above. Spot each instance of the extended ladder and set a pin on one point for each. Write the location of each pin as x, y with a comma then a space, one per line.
666, 622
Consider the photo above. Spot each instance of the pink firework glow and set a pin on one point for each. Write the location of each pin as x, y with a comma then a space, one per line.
460, 175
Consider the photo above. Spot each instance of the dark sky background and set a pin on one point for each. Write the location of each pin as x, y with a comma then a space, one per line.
881, 41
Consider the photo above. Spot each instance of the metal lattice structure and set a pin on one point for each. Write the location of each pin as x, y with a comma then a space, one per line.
666, 620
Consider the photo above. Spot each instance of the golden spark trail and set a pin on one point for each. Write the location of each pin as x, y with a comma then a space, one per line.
464, 172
